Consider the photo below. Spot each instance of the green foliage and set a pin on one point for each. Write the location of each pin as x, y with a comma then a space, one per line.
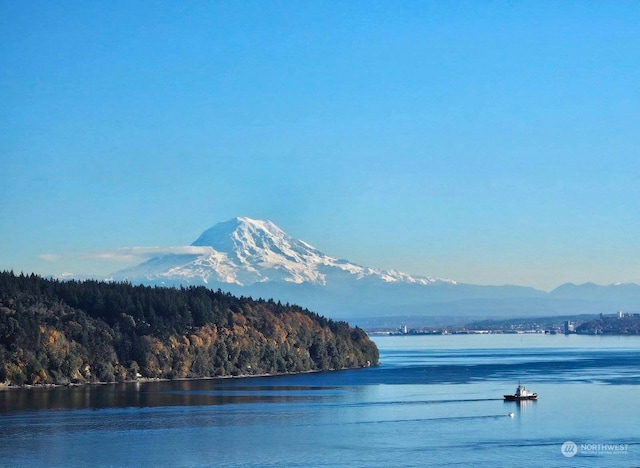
76, 332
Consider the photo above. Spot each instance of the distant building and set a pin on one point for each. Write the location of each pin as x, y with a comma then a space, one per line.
569, 327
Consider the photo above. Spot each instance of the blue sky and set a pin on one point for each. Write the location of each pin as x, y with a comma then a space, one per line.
486, 142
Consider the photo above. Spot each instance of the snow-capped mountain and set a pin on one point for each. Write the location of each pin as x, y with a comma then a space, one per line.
245, 251
252, 257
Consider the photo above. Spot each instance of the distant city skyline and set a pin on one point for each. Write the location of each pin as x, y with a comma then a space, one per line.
487, 143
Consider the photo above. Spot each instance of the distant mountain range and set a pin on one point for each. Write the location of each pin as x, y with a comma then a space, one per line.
256, 258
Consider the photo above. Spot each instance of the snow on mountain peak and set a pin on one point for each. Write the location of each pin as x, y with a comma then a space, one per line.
246, 251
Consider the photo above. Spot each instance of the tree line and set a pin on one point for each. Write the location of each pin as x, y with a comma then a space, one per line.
61, 332
611, 325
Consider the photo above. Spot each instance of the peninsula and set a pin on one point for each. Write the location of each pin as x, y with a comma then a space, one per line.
72, 332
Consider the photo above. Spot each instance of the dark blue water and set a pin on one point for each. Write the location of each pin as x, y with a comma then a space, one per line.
434, 401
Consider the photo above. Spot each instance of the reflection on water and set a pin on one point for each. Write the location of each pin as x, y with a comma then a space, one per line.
417, 360
520, 406
153, 394
430, 403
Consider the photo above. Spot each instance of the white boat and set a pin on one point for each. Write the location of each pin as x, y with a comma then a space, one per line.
521, 394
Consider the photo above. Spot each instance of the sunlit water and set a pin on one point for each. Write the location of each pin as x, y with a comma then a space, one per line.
433, 401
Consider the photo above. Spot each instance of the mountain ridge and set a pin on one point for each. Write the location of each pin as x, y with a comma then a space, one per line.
247, 257
246, 251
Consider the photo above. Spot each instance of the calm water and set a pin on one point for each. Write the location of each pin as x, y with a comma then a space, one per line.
434, 401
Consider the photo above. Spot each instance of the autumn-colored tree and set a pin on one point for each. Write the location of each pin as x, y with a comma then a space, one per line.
61, 332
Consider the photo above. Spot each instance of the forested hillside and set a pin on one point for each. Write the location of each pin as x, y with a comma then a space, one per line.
76, 332
611, 325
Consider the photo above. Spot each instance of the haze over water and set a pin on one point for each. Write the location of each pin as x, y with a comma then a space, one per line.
434, 400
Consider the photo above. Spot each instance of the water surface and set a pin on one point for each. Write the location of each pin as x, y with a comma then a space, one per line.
433, 401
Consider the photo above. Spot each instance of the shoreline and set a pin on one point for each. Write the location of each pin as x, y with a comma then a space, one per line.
8, 387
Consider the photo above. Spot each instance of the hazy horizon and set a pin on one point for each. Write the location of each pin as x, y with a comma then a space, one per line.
132, 256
